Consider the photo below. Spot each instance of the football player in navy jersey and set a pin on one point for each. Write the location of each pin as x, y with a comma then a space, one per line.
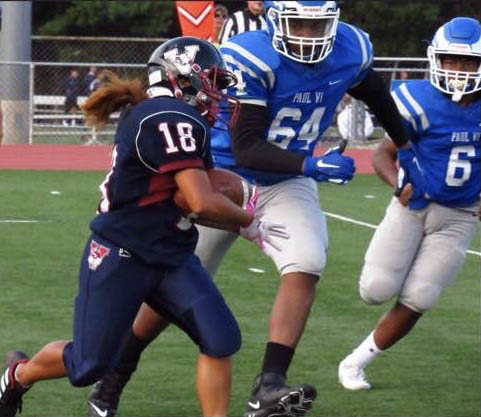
290, 81
141, 247
421, 243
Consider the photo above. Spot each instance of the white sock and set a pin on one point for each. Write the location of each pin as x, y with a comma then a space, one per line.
364, 353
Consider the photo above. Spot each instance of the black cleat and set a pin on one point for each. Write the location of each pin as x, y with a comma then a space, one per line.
11, 391
271, 397
105, 395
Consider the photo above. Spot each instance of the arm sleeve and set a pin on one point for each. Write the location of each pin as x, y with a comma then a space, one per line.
251, 149
375, 94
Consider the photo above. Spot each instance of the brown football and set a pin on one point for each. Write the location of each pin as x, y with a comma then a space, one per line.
226, 182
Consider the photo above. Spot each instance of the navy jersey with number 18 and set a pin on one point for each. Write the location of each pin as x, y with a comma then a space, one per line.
154, 140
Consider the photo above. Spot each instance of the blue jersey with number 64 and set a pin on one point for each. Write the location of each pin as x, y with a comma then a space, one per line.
301, 98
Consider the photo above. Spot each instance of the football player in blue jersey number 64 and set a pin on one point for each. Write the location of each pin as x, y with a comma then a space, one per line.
421, 243
291, 78
141, 247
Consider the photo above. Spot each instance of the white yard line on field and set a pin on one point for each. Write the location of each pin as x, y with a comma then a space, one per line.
19, 221
373, 226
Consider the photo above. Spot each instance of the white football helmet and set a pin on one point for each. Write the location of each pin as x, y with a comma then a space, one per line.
285, 20
460, 36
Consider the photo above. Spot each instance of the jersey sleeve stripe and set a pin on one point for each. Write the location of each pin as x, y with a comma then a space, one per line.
254, 101
366, 49
403, 110
229, 59
415, 105
254, 60
177, 165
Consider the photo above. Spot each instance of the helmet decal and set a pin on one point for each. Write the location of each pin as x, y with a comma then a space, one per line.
183, 60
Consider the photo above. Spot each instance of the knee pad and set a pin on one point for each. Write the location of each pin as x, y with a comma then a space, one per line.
214, 328
313, 264
378, 287
422, 299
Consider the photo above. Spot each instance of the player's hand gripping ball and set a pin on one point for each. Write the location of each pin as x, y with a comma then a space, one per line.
230, 184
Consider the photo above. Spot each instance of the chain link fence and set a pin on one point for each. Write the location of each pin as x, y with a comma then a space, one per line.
40, 99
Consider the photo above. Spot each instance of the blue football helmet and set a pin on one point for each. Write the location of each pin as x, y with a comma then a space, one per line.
302, 30
460, 36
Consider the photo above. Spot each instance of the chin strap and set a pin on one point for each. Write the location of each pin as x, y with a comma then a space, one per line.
177, 91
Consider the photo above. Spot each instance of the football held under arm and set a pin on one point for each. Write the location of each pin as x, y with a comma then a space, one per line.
374, 93
251, 148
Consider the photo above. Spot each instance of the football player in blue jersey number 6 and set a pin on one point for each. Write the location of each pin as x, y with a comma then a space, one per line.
290, 81
141, 248
421, 243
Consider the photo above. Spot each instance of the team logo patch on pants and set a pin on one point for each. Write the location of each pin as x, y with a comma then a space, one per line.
97, 254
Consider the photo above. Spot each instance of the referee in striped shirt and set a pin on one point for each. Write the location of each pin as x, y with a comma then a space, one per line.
244, 20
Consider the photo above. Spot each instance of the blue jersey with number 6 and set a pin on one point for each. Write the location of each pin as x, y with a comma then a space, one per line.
301, 98
446, 139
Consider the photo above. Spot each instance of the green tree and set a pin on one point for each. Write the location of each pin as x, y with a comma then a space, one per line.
404, 28
106, 18
396, 27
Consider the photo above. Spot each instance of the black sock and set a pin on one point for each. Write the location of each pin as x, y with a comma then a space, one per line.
132, 348
277, 358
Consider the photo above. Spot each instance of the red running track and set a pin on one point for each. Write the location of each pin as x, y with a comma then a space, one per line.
97, 158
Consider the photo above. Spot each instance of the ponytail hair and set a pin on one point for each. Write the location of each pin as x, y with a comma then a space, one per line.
113, 96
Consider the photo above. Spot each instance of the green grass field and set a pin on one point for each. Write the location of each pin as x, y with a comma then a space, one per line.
435, 371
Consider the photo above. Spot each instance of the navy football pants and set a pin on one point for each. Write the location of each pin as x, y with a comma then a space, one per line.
112, 286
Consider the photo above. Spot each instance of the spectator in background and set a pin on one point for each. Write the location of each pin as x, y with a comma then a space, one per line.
95, 84
90, 77
404, 75
244, 20
72, 91
220, 16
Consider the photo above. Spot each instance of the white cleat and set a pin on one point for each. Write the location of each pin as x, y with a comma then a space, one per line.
352, 377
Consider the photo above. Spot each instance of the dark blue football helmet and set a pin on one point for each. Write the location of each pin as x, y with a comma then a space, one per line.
193, 70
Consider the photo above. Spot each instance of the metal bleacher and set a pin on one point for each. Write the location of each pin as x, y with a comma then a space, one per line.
49, 120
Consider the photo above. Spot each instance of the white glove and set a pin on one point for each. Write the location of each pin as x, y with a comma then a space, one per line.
261, 232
